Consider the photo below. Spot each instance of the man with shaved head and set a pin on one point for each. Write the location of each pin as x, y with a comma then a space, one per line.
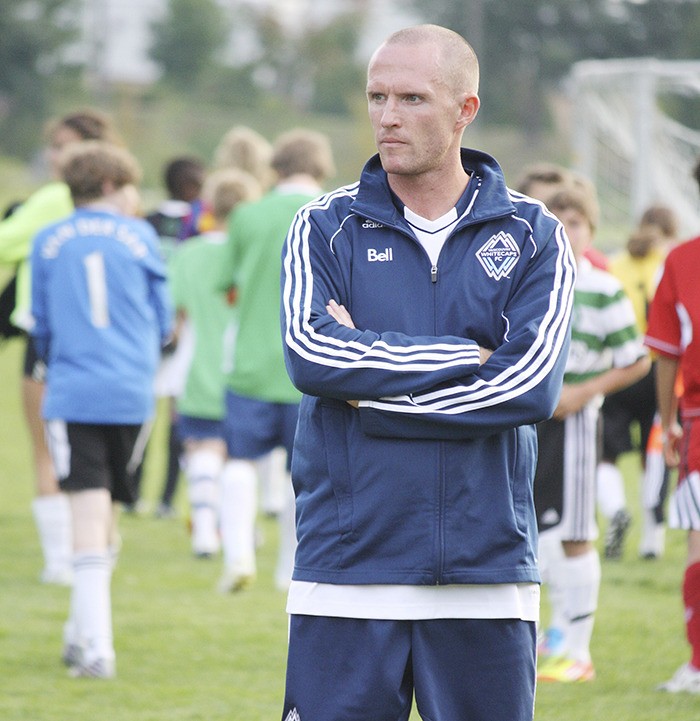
426, 320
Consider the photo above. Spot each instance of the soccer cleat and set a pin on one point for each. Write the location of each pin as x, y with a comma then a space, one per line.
72, 654
58, 576
232, 581
551, 643
685, 680
652, 542
102, 668
205, 540
615, 535
165, 510
566, 670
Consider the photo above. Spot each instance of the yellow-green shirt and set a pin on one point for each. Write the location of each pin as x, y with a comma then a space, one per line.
47, 205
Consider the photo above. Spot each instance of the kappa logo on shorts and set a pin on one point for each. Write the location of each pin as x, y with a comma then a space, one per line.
498, 255
293, 715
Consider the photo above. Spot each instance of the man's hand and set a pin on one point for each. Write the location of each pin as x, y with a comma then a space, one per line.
484, 355
339, 313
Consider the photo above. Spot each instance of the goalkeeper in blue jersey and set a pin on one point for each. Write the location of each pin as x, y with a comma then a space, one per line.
101, 315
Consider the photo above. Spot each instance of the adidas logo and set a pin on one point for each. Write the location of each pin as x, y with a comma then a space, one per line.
371, 224
293, 715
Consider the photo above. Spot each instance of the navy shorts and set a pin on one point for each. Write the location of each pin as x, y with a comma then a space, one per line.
192, 428
255, 427
88, 456
345, 669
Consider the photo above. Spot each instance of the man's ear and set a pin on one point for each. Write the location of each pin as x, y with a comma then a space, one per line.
469, 109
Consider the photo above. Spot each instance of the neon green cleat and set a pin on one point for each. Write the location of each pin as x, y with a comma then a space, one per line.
565, 670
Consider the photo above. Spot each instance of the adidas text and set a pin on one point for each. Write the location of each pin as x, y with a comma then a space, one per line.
375, 256
371, 224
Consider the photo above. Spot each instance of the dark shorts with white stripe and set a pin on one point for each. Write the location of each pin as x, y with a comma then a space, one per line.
87, 456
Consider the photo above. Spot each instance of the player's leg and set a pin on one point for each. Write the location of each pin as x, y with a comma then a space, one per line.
344, 669
272, 473
248, 427
92, 522
550, 559
96, 469
239, 484
549, 502
205, 453
653, 494
610, 485
683, 513
50, 506
580, 567
474, 669
288, 414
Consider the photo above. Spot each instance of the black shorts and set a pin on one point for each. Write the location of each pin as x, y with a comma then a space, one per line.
88, 456
637, 403
549, 476
34, 368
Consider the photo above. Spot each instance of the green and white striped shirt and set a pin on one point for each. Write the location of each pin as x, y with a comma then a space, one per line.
604, 332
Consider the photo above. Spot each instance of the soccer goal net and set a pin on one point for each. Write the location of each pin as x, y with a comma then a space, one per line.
628, 142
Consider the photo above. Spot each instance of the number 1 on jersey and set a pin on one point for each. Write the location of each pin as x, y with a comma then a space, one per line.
97, 289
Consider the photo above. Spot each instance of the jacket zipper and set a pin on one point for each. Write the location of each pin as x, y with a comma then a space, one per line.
433, 274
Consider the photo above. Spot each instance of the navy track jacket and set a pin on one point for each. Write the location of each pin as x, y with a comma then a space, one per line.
430, 481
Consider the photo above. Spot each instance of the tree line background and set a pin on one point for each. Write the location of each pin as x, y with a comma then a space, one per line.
526, 50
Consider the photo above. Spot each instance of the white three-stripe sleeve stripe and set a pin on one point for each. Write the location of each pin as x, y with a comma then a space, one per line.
522, 376
303, 339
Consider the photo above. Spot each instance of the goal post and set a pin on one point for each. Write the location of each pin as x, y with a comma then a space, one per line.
626, 142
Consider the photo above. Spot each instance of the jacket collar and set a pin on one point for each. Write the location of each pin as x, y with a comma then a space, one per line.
485, 197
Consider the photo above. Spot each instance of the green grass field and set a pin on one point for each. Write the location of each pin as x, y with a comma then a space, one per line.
187, 653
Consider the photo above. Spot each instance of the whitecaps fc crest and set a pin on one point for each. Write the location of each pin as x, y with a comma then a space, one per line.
498, 255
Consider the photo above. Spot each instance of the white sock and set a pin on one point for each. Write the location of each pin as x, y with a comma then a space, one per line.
52, 516
237, 515
610, 488
287, 539
551, 556
653, 535
272, 472
581, 584
203, 470
92, 603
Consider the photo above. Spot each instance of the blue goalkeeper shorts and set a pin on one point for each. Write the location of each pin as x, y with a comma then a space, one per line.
345, 669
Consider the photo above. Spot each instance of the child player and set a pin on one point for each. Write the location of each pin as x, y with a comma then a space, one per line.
606, 354
101, 315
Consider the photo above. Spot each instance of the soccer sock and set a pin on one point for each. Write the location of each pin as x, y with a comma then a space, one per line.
288, 537
273, 481
551, 556
92, 603
203, 470
52, 516
691, 599
653, 535
610, 488
581, 583
237, 515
